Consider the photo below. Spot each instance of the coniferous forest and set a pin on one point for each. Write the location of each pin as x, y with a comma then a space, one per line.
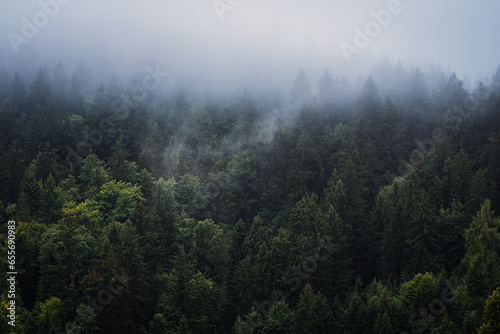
338, 207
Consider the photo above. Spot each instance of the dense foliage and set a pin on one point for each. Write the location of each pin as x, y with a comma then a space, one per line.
359, 210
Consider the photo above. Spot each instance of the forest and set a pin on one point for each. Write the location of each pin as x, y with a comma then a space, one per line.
336, 207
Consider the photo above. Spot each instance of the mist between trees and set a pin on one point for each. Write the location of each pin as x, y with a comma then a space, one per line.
221, 206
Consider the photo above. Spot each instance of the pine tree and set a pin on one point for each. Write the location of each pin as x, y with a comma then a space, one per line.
92, 176
418, 97
391, 141
211, 248
450, 226
421, 236
59, 83
482, 258
495, 82
41, 93
388, 216
312, 315
75, 95
369, 101
304, 168
18, 92
301, 91
491, 323
279, 320
120, 168
348, 194
326, 88
84, 75
186, 302
481, 188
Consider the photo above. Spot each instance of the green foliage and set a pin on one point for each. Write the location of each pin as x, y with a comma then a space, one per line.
118, 200
482, 258
50, 317
491, 322
66, 250
420, 291
210, 247
482, 188
85, 321
119, 168
304, 168
158, 325
421, 236
186, 303
203, 214
387, 214
245, 284
374, 309
248, 325
451, 224
279, 320
188, 194
92, 176
312, 314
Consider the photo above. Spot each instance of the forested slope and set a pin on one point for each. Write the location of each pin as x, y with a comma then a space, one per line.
354, 209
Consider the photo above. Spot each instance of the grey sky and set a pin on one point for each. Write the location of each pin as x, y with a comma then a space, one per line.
257, 35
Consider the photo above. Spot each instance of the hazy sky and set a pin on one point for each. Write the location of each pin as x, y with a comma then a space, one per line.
188, 36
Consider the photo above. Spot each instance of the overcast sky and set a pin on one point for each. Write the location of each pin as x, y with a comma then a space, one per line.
189, 36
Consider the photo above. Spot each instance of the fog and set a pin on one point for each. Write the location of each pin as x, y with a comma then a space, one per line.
236, 44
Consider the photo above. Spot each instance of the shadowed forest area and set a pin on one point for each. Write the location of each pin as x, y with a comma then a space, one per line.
338, 207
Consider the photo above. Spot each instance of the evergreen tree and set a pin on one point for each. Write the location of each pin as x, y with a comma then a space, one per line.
391, 141
301, 91
84, 75
304, 168
495, 82
41, 93
482, 258
326, 88
491, 314
186, 301
388, 217
451, 224
418, 95
279, 320
59, 82
421, 236
347, 192
75, 95
369, 101
18, 92
312, 314
210, 247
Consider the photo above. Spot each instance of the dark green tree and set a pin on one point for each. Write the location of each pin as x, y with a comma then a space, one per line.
421, 236
312, 314
482, 258
491, 314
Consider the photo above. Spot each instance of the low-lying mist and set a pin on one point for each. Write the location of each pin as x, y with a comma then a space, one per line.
225, 46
